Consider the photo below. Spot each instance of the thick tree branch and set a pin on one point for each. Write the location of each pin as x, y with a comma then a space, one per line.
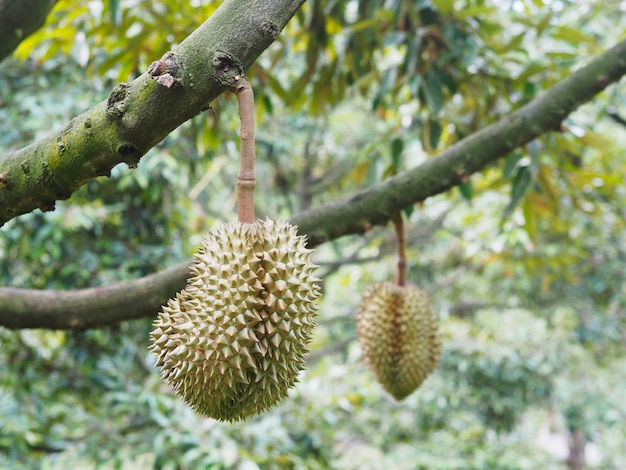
18, 20
139, 114
351, 215
90, 308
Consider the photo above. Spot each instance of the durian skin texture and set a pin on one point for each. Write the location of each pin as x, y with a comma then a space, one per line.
399, 336
235, 339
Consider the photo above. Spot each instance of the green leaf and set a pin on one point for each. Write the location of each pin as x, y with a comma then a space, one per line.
276, 87
510, 163
388, 80
444, 6
520, 185
532, 69
415, 82
387, 83
563, 56
467, 190
433, 91
412, 57
434, 134
550, 194
474, 11
267, 101
364, 24
397, 146
299, 85
114, 8
530, 219
513, 44
572, 35
543, 24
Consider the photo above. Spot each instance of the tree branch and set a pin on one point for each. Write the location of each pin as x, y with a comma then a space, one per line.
18, 20
351, 215
378, 204
139, 114
90, 308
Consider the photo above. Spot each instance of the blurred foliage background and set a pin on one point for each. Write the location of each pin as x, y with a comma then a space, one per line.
524, 263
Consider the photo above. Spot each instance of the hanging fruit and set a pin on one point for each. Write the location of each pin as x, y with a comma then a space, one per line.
235, 339
397, 331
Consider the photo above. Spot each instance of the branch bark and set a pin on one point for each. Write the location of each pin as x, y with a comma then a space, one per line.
352, 215
139, 114
90, 308
18, 20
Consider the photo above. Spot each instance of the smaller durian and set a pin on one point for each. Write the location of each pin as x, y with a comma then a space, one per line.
234, 340
399, 337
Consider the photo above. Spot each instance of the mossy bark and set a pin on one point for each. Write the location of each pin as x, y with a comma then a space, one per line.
139, 114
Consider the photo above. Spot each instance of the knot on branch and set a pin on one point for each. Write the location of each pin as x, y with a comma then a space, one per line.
269, 30
5, 181
116, 101
228, 71
129, 154
166, 70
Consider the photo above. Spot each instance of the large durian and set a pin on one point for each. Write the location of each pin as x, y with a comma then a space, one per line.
399, 337
234, 340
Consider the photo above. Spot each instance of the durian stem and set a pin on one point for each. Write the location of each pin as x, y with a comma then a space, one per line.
398, 224
246, 181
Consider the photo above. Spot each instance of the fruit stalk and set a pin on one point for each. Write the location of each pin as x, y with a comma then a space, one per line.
398, 224
246, 181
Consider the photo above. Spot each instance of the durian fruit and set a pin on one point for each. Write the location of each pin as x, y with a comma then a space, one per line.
234, 340
399, 337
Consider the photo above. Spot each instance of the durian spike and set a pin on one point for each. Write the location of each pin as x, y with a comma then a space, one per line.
246, 181
398, 224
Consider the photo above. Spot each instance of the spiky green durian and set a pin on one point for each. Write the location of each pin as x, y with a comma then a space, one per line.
234, 340
399, 337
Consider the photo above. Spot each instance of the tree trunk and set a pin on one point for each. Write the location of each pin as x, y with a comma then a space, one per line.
577, 442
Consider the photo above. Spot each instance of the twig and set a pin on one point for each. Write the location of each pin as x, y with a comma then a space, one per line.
246, 181
399, 227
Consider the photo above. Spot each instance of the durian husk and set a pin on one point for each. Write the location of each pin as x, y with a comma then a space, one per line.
235, 339
399, 336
